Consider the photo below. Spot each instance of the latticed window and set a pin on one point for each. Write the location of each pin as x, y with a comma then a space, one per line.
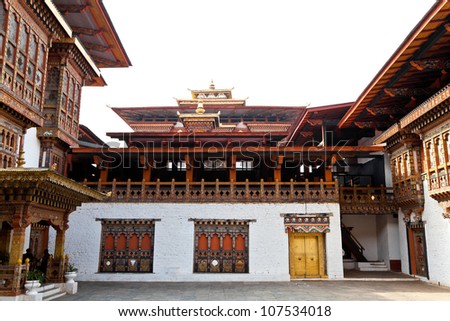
127, 245
221, 246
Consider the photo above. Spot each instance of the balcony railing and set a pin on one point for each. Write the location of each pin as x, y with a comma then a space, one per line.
355, 200
218, 191
367, 200
12, 279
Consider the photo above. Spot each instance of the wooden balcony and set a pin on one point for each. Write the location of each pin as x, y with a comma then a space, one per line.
367, 200
218, 192
12, 279
354, 200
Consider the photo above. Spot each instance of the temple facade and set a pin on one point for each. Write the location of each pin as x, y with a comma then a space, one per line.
213, 189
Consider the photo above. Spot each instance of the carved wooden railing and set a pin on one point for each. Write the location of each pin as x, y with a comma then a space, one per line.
409, 192
367, 200
12, 279
218, 191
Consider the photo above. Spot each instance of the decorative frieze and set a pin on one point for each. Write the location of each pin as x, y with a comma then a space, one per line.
307, 223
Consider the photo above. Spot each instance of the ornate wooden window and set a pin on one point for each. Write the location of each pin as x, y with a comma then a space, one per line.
221, 246
127, 245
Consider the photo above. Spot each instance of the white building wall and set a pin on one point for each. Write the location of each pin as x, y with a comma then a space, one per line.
365, 231
437, 233
387, 239
403, 242
174, 239
32, 148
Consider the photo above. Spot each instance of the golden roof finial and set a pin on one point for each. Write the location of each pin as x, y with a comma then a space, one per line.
21, 160
54, 166
211, 85
200, 109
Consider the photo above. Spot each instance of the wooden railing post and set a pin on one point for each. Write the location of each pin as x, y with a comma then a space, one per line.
84, 182
355, 196
383, 194
217, 195
114, 190
99, 185
261, 190
158, 189
277, 190
172, 190
128, 193
232, 190
188, 190
202, 189
337, 190
307, 194
291, 194
322, 191
247, 189
143, 189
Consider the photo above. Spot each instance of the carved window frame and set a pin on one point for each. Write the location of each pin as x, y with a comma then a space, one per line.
119, 252
221, 246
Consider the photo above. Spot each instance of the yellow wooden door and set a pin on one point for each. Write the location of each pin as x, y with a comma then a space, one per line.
306, 255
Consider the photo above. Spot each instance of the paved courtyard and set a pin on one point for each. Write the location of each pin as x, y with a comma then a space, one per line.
405, 289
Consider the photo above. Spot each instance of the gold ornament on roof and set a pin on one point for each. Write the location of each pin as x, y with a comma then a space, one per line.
21, 160
200, 109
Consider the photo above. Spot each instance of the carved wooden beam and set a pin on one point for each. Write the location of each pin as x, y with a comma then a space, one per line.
86, 31
371, 124
306, 134
376, 111
409, 92
105, 62
431, 64
72, 8
447, 27
91, 46
315, 122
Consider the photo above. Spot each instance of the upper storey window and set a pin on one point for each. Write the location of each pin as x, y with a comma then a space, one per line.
2, 23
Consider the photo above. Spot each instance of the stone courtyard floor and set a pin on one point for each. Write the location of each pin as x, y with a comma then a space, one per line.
403, 288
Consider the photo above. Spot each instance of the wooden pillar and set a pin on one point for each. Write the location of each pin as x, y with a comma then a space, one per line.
189, 168
104, 174
232, 168
5, 239
59, 244
18, 241
277, 169
146, 164
329, 169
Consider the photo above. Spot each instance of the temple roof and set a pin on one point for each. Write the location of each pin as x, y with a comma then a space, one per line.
43, 186
90, 22
416, 70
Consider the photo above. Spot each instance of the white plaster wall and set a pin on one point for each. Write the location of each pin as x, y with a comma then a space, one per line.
437, 232
403, 242
387, 239
382, 238
387, 171
174, 239
32, 147
365, 231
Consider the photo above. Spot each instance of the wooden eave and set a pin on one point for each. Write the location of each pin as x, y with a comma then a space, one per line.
319, 113
428, 39
83, 15
427, 107
81, 58
45, 187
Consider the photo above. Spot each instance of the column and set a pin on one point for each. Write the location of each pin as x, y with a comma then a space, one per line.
5, 240
232, 168
59, 243
18, 240
277, 169
189, 168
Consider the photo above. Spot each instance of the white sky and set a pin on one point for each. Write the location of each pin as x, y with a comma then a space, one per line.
279, 52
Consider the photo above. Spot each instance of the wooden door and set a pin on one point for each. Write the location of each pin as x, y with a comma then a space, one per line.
417, 251
306, 255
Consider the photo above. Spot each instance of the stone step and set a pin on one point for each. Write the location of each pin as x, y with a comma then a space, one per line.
372, 266
50, 298
51, 292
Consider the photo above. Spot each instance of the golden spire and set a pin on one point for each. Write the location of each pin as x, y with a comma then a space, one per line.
21, 160
211, 85
200, 109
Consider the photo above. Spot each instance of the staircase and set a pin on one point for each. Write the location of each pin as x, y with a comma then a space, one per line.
51, 291
351, 244
372, 266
